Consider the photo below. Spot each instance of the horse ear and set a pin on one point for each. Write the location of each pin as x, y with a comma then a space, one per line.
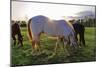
72, 21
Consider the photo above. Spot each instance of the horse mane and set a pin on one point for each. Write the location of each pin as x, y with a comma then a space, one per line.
70, 25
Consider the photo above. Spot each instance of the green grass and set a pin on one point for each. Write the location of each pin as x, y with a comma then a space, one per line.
23, 56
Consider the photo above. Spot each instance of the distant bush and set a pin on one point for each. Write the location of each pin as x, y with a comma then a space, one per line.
88, 23
23, 23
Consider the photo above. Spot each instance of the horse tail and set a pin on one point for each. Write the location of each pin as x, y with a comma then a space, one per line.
29, 30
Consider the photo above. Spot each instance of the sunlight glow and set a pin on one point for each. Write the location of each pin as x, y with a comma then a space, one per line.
26, 10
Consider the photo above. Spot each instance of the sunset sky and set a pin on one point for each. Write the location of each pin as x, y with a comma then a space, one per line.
26, 10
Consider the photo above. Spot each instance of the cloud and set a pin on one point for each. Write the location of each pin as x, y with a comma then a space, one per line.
86, 14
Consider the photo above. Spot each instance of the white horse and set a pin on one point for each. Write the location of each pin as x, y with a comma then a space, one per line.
54, 28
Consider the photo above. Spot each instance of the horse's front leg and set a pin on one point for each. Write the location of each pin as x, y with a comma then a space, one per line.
57, 44
14, 40
20, 43
66, 46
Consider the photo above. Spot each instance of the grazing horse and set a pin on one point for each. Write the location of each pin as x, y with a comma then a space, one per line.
79, 29
54, 28
15, 30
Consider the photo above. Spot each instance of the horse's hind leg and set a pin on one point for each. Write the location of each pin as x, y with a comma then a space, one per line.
20, 41
36, 44
80, 39
14, 42
83, 40
33, 46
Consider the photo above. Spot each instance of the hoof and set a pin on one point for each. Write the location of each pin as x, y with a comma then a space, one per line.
20, 46
68, 54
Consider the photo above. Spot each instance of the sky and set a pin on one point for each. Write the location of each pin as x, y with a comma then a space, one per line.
26, 10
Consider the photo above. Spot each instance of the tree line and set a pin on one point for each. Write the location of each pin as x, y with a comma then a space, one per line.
90, 22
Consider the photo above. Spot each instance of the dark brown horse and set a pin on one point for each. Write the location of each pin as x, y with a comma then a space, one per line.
15, 31
79, 30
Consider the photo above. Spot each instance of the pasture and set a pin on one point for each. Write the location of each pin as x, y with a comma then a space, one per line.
23, 56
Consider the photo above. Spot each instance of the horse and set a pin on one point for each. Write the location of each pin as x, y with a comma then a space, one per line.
79, 30
15, 30
54, 28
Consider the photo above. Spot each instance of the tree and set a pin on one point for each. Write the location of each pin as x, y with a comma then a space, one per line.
23, 24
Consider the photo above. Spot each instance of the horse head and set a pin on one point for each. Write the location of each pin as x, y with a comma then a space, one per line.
73, 40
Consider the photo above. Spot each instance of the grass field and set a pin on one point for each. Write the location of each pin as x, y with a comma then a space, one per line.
23, 56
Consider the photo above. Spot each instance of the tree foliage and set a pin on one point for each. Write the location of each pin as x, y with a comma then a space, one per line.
88, 22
